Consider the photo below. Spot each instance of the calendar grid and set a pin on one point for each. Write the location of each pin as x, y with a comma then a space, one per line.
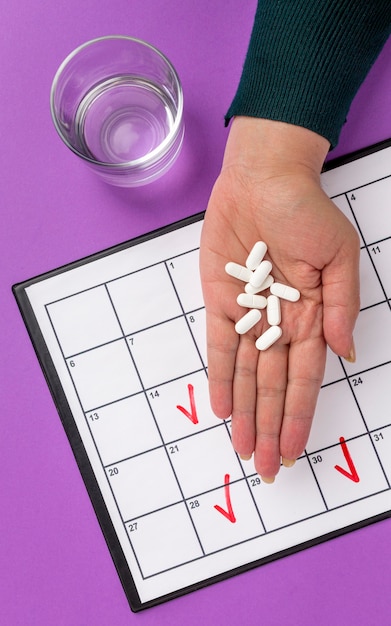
88, 425
68, 359
121, 337
165, 444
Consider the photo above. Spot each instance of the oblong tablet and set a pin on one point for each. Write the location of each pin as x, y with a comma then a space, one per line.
256, 255
260, 274
238, 271
273, 310
285, 292
270, 336
251, 301
248, 321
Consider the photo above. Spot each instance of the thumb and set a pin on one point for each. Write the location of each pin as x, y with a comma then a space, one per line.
341, 301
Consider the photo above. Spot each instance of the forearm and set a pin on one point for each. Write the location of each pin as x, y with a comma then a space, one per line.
306, 60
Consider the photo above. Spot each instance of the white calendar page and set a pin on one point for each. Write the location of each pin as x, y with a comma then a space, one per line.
121, 338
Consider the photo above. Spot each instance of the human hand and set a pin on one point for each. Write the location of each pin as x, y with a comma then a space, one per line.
269, 189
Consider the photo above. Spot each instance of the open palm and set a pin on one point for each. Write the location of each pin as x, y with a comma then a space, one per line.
272, 395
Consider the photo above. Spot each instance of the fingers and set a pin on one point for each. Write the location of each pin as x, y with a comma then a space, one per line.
258, 404
271, 388
244, 397
274, 398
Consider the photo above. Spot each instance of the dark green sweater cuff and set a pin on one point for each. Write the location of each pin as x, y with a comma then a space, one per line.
307, 59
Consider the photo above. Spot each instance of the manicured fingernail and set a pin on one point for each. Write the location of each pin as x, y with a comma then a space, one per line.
269, 480
245, 457
352, 354
288, 462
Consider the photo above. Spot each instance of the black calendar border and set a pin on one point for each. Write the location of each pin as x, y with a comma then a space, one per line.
73, 435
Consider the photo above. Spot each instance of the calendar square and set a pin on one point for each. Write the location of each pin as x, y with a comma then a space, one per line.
130, 295
122, 429
381, 439
181, 407
84, 320
336, 414
339, 489
343, 204
143, 484
292, 497
218, 531
372, 391
371, 206
197, 327
372, 339
104, 375
184, 271
370, 290
381, 258
201, 461
165, 352
176, 542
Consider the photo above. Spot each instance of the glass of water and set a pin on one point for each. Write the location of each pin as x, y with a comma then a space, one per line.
117, 103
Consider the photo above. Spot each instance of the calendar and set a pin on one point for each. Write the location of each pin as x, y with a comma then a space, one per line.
121, 339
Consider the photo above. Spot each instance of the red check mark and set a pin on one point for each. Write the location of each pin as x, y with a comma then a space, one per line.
192, 414
229, 513
352, 473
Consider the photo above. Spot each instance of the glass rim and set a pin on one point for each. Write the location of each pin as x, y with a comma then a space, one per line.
151, 157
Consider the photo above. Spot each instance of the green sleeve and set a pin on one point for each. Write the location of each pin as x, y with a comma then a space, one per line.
307, 58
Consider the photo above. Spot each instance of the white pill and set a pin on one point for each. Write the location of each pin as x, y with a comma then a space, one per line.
256, 255
285, 292
269, 337
260, 274
273, 310
248, 321
265, 285
238, 271
251, 301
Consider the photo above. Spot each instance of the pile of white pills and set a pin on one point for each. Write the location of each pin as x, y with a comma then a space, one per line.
256, 273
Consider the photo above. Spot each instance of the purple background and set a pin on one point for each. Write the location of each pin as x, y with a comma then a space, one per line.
55, 568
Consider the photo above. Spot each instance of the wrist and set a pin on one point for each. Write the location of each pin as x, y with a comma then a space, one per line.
274, 147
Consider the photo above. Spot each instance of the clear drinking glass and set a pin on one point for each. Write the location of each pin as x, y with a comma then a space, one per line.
117, 103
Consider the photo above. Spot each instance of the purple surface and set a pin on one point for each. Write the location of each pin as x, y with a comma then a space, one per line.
55, 568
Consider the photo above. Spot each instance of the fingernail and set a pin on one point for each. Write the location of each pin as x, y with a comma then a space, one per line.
288, 462
245, 457
352, 354
269, 480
